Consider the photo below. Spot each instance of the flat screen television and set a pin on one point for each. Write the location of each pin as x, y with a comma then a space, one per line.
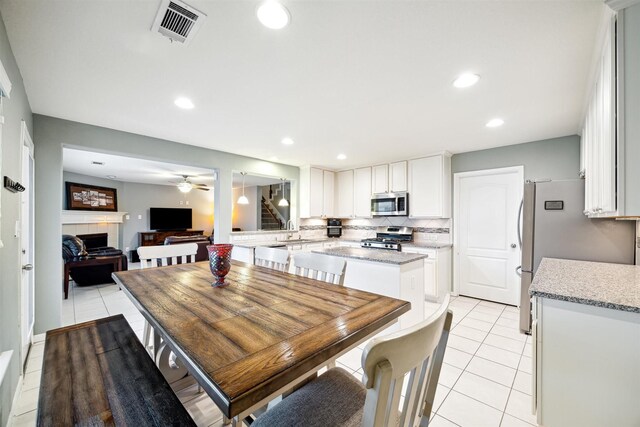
169, 219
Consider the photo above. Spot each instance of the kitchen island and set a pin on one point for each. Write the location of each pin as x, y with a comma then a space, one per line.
384, 272
586, 343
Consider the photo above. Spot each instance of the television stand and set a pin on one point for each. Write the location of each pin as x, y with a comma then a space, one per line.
156, 238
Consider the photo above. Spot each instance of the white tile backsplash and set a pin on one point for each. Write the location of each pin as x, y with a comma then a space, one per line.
363, 228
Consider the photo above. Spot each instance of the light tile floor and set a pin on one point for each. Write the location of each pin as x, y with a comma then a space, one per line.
485, 379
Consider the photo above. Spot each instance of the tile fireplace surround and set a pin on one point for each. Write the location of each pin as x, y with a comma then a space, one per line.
89, 222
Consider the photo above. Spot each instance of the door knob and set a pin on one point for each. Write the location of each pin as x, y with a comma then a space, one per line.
27, 267
513, 245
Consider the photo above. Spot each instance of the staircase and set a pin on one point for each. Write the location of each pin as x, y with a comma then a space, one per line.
269, 216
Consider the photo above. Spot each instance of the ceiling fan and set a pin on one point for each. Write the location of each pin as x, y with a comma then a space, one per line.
185, 185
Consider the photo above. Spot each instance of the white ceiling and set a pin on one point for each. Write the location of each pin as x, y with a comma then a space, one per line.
370, 79
129, 169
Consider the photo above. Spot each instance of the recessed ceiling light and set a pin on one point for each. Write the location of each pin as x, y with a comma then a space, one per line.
95, 162
111, 176
273, 15
342, 156
466, 80
287, 141
494, 123
184, 103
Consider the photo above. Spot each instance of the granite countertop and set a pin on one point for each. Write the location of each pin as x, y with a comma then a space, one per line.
428, 245
376, 255
615, 286
277, 243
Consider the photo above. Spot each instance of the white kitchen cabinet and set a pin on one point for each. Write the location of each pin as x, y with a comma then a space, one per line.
242, 254
380, 179
398, 176
403, 281
585, 364
437, 271
345, 194
599, 138
328, 193
316, 192
362, 193
609, 149
430, 187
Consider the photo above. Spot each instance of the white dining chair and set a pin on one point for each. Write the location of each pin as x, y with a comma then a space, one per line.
336, 398
273, 258
320, 267
159, 256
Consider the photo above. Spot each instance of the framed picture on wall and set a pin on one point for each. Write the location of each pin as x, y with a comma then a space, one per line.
84, 197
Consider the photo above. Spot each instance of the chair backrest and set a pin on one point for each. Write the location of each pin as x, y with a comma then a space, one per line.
418, 351
274, 258
156, 256
320, 267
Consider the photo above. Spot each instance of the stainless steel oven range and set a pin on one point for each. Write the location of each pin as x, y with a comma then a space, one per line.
390, 238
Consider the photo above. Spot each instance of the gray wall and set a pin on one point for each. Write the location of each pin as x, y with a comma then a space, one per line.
15, 110
51, 134
557, 158
136, 199
632, 108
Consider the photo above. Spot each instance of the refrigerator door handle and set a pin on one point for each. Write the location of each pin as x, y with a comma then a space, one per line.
519, 223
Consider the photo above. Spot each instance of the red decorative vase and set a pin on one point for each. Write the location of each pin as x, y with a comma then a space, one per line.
219, 262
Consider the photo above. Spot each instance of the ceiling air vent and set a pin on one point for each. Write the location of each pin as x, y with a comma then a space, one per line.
178, 21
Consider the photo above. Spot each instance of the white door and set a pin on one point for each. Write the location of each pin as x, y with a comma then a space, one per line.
485, 228
26, 238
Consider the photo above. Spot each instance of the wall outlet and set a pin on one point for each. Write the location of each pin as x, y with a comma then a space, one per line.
187, 203
139, 216
127, 217
126, 249
181, 202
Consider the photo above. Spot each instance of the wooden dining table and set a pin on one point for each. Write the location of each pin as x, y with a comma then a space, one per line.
259, 336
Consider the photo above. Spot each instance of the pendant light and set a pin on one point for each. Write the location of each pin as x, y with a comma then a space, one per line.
283, 201
242, 200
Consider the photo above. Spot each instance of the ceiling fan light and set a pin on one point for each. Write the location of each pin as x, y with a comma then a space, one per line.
185, 187
242, 200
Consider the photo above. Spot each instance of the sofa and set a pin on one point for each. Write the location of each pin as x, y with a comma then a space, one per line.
202, 241
73, 249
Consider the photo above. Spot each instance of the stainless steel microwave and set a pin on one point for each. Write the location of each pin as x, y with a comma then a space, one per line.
390, 204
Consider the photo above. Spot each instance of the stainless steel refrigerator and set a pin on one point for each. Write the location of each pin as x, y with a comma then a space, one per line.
554, 226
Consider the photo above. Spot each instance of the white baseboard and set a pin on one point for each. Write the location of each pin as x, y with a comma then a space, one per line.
14, 403
5, 361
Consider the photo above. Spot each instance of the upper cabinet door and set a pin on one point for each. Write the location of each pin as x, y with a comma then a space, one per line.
328, 193
344, 194
316, 193
380, 179
430, 187
398, 176
362, 193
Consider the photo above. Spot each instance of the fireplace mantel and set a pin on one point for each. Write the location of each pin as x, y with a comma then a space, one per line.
92, 217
